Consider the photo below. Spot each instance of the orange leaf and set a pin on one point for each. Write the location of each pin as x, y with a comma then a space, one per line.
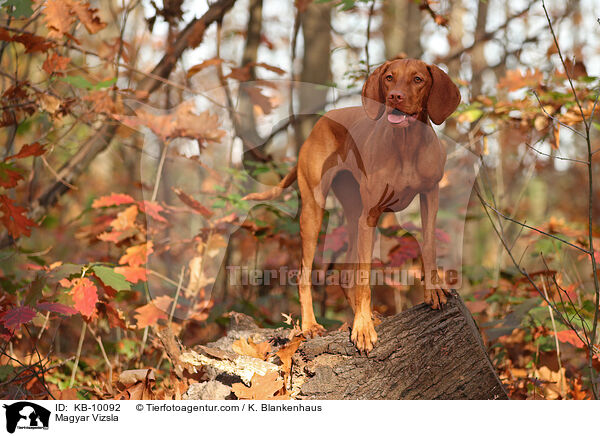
112, 200
125, 219
55, 64
152, 209
87, 16
14, 218
199, 67
150, 313
137, 255
132, 274
85, 295
58, 18
247, 347
569, 336
515, 79
286, 353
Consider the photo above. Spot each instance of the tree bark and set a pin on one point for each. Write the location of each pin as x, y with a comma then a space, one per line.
420, 354
402, 29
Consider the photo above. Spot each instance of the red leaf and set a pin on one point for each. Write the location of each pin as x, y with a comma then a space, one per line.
33, 43
56, 307
85, 295
336, 240
569, 336
55, 64
407, 249
112, 200
27, 150
132, 274
9, 176
15, 316
150, 313
153, 209
14, 218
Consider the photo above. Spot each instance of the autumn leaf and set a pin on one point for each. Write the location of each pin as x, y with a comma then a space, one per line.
14, 317
516, 79
9, 175
33, 43
199, 67
259, 100
125, 219
87, 16
569, 336
262, 387
137, 255
153, 209
407, 249
132, 274
55, 64
150, 313
34, 149
181, 123
58, 17
336, 240
191, 202
56, 307
84, 294
112, 200
247, 347
14, 218
286, 352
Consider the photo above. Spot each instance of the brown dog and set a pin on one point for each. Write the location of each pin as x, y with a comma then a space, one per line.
374, 164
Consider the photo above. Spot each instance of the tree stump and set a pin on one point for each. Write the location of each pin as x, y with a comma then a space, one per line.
421, 353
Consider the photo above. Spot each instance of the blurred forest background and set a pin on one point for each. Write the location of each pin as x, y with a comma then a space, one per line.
130, 130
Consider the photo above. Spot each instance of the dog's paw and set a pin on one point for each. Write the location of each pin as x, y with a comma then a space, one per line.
312, 330
436, 298
363, 335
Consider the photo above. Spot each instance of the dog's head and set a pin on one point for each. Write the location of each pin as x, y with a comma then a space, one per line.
405, 89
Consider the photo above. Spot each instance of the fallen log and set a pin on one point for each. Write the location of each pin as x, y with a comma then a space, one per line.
421, 353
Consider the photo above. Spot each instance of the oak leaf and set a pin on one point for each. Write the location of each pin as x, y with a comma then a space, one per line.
247, 347
262, 387
9, 175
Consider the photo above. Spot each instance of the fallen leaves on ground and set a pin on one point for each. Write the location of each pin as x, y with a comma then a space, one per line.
262, 387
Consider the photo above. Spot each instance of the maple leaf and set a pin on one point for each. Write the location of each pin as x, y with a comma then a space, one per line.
569, 336
191, 202
55, 64
112, 200
14, 317
9, 175
34, 149
14, 218
150, 313
132, 274
84, 293
247, 347
56, 307
137, 255
152, 209
263, 387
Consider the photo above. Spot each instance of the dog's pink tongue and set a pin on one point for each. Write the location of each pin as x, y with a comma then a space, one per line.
396, 118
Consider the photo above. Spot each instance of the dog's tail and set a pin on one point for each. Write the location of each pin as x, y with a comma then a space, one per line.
275, 191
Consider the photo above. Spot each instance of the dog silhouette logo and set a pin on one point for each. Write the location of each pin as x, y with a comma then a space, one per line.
26, 415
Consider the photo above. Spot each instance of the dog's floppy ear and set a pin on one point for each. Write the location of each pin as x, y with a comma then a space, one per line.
444, 96
373, 99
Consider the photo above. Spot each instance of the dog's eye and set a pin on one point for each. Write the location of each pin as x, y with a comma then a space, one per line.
389, 77
418, 79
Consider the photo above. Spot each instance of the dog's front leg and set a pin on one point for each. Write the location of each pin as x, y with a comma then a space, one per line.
363, 330
435, 295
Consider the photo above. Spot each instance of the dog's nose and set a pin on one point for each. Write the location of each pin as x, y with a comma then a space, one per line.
395, 97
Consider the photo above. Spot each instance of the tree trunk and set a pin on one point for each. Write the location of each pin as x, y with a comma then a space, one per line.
421, 354
402, 29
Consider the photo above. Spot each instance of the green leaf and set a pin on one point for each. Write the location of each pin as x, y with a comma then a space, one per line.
5, 372
110, 278
20, 8
82, 83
